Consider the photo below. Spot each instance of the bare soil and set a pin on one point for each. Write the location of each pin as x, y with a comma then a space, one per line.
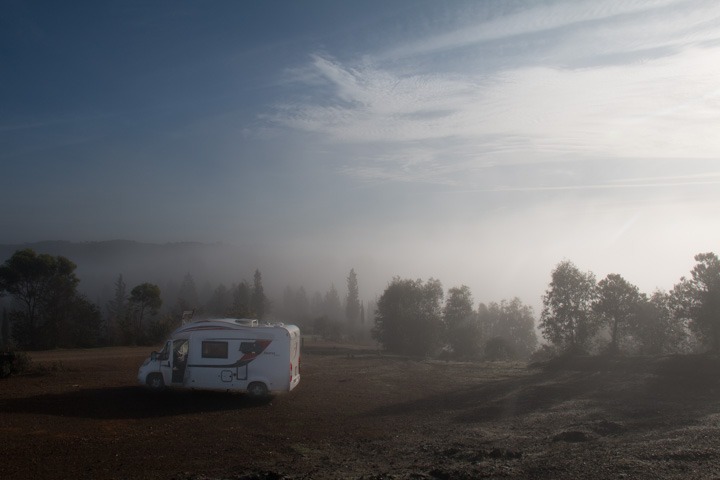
360, 415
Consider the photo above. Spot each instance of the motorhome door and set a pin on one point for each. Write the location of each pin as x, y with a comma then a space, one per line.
179, 360
165, 360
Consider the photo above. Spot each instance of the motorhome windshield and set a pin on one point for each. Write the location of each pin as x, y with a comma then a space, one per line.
164, 353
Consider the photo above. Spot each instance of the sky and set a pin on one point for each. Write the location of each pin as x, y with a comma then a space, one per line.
476, 142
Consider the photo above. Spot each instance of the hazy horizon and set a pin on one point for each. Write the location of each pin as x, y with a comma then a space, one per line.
479, 143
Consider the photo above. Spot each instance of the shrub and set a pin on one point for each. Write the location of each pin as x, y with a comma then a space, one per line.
14, 363
545, 353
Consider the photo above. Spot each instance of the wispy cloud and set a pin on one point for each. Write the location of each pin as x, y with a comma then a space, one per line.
446, 126
535, 20
604, 186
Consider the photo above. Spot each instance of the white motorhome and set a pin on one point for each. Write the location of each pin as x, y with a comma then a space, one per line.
227, 354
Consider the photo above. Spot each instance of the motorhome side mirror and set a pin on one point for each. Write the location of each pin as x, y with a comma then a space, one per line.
153, 356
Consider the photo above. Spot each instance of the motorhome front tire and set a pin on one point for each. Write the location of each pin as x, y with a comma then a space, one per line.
155, 382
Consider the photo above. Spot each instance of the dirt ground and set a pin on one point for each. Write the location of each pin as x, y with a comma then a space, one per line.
360, 415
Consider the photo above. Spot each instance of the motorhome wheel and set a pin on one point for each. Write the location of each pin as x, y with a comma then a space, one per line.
257, 389
155, 382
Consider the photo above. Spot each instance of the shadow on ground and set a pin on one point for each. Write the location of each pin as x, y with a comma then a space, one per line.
129, 403
637, 390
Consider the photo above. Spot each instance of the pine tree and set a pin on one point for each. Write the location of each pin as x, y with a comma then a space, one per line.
117, 309
188, 297
258, 301
352, 304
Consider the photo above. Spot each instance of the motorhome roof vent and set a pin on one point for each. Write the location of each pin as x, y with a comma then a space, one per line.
250, 322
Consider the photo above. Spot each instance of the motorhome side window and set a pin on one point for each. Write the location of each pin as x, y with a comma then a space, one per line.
214, 350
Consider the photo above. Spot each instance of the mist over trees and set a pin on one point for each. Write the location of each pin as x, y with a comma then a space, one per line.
463, 331
613, 316
116, 308
352, 301
509, 330
258, 301
580, 315
408, 319
411, 319
188, 298
328, 315
566, 319
42, 308
144, 304
698, 299
617, 305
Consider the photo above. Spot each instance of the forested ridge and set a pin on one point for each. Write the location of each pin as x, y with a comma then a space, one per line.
42, 308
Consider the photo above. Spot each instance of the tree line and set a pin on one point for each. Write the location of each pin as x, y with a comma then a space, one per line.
43, 309
613, 316
126, 323
329, 316
580, 315
414, 318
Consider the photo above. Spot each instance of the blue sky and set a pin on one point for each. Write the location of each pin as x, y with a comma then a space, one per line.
478, 142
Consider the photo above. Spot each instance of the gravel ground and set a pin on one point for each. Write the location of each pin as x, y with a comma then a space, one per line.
360, 415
